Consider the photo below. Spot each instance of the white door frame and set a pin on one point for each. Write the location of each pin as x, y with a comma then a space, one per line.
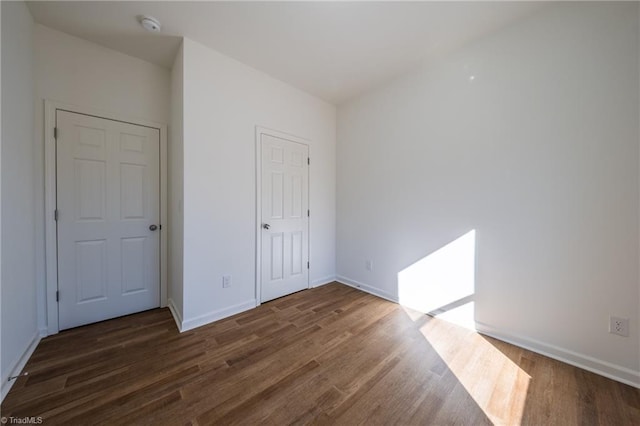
275, 133
51, 247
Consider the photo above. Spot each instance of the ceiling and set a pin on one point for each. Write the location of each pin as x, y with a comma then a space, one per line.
333, 50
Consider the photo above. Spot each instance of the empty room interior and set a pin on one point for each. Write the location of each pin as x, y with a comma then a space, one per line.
320, 212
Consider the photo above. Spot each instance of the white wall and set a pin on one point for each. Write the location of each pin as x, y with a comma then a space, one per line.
223, 102
19, 318
73, 70
1, 137
176, 173
80, 73
538, 152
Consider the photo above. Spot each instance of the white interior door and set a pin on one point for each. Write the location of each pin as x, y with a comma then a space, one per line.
108, 198
284, 218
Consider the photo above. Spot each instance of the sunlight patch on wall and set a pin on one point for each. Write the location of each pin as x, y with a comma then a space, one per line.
442, 283
462, 315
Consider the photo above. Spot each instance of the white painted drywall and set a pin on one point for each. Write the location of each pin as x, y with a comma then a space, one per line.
73, 70
77, 72
224, 101
530, 137
1, 355
176, 173
19, 312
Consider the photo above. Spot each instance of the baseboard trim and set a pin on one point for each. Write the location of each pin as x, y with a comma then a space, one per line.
19, 365
190, 324
175, 313
367, 288
323, 281
603, 368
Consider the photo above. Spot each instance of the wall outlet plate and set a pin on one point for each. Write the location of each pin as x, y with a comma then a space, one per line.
368, 265
619, 326
226, 281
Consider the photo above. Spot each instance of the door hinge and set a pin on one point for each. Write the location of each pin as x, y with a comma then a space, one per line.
55, 133
57, 296
307, 265
308, 161
55, 215
308, 213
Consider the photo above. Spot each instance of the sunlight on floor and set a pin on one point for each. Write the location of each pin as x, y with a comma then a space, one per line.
496, 383
437, 292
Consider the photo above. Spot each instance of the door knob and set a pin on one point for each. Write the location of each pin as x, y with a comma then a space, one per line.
153, 227
266, 225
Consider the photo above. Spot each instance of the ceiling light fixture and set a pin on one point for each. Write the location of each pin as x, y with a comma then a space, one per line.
150, 24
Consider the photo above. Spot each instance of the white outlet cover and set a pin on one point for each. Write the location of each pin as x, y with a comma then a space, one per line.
226, 281
619, 326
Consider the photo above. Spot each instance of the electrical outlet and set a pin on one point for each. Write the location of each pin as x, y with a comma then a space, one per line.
226, 281
368, 265
619, 326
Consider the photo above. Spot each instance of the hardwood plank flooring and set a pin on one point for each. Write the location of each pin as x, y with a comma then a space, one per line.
330, 355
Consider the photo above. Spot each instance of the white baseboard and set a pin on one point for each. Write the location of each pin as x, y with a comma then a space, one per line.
177, 317
19, 365
189, 324
367, 288
603, 368
323, 281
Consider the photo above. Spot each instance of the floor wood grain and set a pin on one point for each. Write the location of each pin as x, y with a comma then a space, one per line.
330, 355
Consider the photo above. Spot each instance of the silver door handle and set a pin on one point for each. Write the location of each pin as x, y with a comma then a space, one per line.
266, 225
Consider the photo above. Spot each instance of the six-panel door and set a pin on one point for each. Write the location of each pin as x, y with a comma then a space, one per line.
285, 221
108, 196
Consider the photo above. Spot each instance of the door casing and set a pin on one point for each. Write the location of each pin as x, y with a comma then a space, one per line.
51, 251
258, 225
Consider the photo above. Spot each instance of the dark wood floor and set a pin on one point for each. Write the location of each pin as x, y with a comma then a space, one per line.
331, 355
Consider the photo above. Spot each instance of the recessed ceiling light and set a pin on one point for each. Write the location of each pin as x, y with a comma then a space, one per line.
150, 24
